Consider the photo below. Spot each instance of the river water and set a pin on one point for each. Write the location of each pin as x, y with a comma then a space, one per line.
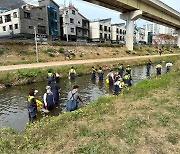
13, 101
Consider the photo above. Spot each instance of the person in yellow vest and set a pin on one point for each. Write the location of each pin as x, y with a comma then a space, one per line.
128, 69
49, 77
127, 79
32, 105
72, 73
158, 68
100, 74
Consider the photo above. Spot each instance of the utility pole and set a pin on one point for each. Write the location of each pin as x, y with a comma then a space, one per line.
35, 38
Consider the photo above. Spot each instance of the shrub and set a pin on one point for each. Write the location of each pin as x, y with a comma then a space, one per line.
128, 51
2, 52
49, 51
61, 50
135, 48
51, 54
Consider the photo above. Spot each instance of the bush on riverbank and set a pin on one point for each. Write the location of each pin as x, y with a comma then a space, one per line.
143, 119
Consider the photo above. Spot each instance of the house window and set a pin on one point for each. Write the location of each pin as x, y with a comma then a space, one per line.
105, 36
101, 35
71, 20
30, 27
85, 32
120, 31
4, 28
72, 30
27, 15
109, 29
73, 12
117, 37
16, 26
1, 20
15, 15
40, 19
109, 36
117, 30
125, 32
79, 22
120, 38
10, 27
7, 18
105, 28
100, 27
41, 29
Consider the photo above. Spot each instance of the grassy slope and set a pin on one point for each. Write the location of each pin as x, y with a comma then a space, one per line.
144, 119
25, 76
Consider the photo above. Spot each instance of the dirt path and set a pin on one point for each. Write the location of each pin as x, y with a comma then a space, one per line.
72, 62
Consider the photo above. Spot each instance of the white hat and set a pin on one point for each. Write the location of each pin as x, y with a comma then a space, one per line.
48, 87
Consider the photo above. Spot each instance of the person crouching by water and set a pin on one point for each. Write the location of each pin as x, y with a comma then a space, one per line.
100, 74
32, 105
158, 68
93, 73
73, 99
48, 99
72, 73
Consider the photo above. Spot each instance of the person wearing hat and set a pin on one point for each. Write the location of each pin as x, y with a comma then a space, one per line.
117, 86
48, 99
32, 105
168, 66
73, 99
158, 68
72, 73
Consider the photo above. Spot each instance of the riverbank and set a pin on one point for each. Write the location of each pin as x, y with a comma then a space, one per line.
14, 53
31, 75
143, 119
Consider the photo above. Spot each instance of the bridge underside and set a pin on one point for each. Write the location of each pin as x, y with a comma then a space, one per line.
151, 11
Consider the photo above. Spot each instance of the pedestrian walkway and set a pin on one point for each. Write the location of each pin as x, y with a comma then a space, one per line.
74, 62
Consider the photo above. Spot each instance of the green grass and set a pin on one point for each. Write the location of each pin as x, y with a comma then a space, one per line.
113, 124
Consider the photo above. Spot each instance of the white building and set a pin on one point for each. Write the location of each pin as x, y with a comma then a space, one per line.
118, 33
74, 26
100, 30
22, 21
140, 35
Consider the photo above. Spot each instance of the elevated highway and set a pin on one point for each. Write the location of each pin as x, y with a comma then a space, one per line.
151, 10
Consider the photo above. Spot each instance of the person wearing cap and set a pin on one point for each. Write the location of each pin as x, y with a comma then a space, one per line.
32, 105
168, 66
49, 77
128, 69
48, 99
158, 68
73, 99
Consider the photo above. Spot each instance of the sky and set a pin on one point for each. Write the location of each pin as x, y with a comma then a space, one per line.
92, 11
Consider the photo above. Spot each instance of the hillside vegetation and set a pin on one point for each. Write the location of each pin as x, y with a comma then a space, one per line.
143, 119
24, 53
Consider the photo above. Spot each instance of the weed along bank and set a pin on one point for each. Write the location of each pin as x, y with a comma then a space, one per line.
27, 76
144, 118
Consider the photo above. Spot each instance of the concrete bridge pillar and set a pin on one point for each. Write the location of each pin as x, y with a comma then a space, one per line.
178, 40
130, 17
